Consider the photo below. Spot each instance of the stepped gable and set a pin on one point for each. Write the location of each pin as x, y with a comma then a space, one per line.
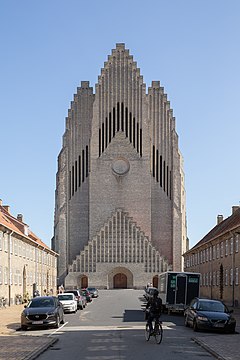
113, 244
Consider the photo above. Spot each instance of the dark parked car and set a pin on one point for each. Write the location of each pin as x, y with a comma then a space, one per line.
208, 314
93, 291
87, 294
43, 311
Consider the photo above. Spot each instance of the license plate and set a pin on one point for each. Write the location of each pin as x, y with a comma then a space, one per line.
37, 322
219, 325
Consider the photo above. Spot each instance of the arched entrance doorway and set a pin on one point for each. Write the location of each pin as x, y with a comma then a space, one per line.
155, 281
84, 282
120, 281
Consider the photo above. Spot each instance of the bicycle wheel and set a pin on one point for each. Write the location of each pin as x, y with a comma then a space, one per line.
158, 333
147, 332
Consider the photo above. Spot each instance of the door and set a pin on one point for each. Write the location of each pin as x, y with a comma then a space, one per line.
155, 281
120, 281
84, 282
181, 283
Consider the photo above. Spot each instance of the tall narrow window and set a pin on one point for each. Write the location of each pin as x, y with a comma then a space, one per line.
83, 166
122, 117
141, 142
170, 185
137, 137
157, 166
110, 127
79, 170
153, 160
99, 142
72, 180
102, 137
126, 120
161, 170
130, 127
106, 131
134, 132
76, 176
167, 181
86, 161
114, 122
118, 117
164, 176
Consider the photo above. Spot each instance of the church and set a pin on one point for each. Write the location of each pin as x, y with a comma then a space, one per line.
120, 209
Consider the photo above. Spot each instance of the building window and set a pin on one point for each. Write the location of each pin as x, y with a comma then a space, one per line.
217, 278
5, 275
217, 251
214, 252
226, 277
221, 249
214, 278
231, 277
210, 253
201, 257
236, 276
231, 246
226, 248
236, 243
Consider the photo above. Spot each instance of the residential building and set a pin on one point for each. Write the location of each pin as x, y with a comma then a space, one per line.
26, 263
217, 258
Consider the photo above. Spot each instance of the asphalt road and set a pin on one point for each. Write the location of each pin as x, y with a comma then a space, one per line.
112, 328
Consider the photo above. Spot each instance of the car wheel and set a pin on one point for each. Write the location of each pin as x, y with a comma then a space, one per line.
186, 322
195, 327
24, 327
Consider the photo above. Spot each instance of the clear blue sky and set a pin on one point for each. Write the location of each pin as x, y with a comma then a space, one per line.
48, 47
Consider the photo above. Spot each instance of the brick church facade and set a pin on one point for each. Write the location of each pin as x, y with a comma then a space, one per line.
120, 199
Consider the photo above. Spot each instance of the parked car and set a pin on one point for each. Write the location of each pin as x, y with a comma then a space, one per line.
87, 294
68, 301
42, 311
79, 298
208, 314
93, 291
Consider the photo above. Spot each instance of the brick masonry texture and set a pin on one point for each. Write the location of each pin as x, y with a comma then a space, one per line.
119, 125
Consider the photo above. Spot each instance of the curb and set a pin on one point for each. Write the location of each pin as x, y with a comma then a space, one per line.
35, 353
208, 348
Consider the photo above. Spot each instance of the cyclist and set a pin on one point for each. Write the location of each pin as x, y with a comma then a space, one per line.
154, 309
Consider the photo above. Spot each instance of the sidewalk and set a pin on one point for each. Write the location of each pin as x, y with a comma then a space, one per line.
23, 347
223, 347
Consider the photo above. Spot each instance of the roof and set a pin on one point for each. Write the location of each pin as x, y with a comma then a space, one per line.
232, 223
20, 228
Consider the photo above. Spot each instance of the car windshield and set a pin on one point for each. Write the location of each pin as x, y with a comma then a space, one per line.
38, 302
211, 306
65, 297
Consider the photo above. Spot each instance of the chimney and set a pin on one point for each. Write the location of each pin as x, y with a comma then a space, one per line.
235, 208
7, 208
219, 219
20, 217
0, 202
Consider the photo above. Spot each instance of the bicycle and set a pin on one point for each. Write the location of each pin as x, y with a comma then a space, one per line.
157, 331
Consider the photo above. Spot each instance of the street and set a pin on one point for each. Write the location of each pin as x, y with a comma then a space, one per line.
112, 328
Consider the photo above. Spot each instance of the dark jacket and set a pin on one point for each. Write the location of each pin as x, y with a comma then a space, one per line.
154, 305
